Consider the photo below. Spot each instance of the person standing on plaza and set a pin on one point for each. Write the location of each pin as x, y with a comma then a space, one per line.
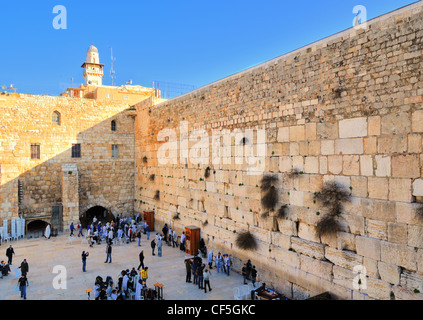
23, 284
153, 246
79, 226
249, 265
139, 238
141, 256
210, 259
254, 275
84, 256
244, 273
24, 267
182, 245
47, 232
227, 262
159, 246
165, 231
108, 253
188, 269
200, 275
219, 262
175, 238
147, 231
144, 275
9, 254
72, 228
206, 276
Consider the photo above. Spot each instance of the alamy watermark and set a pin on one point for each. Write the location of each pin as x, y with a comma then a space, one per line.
360, 19
60, 21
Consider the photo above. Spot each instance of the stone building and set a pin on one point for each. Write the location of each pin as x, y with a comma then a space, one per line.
346, 109
67, 159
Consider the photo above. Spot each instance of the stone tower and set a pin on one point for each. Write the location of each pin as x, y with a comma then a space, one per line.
93, 70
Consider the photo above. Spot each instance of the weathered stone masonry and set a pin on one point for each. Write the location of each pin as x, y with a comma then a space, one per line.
77, 184
348, 109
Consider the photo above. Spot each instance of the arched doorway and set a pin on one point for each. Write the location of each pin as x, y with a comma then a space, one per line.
36, 228
101, 213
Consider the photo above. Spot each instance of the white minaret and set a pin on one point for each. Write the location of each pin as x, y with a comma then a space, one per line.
93, 70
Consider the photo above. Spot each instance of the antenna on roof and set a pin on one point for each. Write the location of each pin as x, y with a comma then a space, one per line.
112, 71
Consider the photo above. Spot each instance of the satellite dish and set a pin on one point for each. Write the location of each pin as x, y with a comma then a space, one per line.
4, 87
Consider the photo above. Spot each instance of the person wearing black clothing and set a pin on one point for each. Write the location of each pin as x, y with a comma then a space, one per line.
22, 284
9, 253
165, 230
249, 265
253, 275
153, 246
141, 255
84, 256
244, 273
200, 270
189, 270
108, 253
24, 267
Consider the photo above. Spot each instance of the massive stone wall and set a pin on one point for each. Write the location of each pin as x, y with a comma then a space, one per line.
347, 109
98, 179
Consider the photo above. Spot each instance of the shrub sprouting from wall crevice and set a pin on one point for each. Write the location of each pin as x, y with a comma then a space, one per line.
270, 195
246, 241
332, 197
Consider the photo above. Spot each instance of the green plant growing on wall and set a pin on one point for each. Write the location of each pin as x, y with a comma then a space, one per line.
332, 197
246, 241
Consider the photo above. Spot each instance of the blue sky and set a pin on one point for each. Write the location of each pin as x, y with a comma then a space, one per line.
187, 42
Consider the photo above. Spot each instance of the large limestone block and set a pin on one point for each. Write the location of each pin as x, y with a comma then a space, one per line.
343, 258
418, 188
307, 232
399, 254
311, 165
335, 164
374, 126
351, 165
397, 233
392, 144
400, 190
406, 166
308, 248
353, 128
411, 280
377, 229
415, 236
297, 133
417, 121
327, 147
377, 187
383, 166
401, 293
322, 269
327, 130
389, 272
366, 165
283, 134
397, 123
368, 247
349, 146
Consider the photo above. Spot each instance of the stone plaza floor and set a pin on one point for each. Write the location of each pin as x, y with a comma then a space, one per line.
44, 254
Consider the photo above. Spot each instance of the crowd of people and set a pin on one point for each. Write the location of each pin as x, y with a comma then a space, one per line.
132, 283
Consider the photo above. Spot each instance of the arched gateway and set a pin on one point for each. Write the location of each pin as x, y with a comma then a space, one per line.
101, 213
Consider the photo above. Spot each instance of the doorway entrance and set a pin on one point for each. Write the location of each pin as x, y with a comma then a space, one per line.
101, 213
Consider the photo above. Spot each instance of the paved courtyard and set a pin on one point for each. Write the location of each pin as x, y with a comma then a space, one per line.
44, 254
